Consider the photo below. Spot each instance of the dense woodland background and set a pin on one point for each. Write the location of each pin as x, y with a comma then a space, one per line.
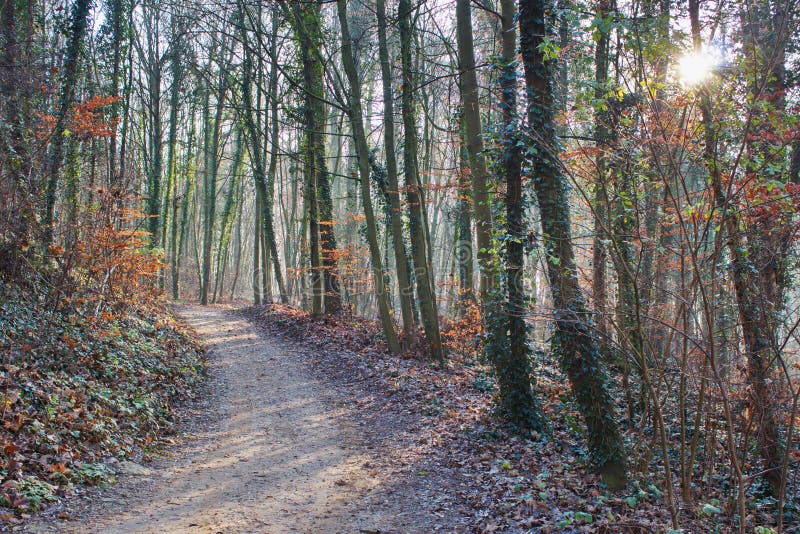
600, 191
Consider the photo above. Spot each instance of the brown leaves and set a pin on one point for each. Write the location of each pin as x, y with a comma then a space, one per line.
86, 120
449, 440
74, 396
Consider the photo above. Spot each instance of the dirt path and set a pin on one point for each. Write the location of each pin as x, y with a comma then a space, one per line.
270, 454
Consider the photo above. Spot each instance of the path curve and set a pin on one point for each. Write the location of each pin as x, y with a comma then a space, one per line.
272, 455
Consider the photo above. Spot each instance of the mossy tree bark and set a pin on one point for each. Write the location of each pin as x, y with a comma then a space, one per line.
414, 193
573, 338
355, 113
401, 260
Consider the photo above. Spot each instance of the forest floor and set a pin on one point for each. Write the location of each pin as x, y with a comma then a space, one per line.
270, 447
308, 425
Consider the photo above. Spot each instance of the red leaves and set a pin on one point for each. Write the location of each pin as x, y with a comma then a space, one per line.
462, 334
113, 260
86, 120
770, 202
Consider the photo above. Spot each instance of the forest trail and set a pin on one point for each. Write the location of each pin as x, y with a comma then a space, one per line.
270, 454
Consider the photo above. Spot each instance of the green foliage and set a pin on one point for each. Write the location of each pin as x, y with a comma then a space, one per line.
36, 492
93, 474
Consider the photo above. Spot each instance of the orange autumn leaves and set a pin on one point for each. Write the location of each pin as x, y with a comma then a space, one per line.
86, 120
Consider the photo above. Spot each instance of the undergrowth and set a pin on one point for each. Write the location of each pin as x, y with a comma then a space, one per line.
80, 387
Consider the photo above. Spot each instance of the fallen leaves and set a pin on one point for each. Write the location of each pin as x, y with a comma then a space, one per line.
72, 398
446, 439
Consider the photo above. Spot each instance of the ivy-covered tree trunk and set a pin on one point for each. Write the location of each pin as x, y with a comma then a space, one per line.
573, 339
508, 347
362, 150
79, 20
601, 135
308, 30
406, 290
414, 194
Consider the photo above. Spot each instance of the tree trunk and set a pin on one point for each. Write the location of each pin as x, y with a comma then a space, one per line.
155, 167
602, 135
257, 251
273, 161
211, 153
79, 18
508, 347
228, 211
414, 195
468, 85
463, 233
405, 288
190, 175
176, 70
362, 150
308, 29
116, 16
263, 180
573, 339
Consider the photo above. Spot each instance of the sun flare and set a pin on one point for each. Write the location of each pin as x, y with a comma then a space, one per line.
696, 67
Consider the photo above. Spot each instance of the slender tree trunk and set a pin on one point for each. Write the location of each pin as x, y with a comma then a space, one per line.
79, 18
257, 252
362, 150
414, 194
405, 288
189, 172
264, 180
237, 235
463, 233
176, 69
228, 211
118, 38
155, 124
273, 162
573, 338
212, 150
468, 85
